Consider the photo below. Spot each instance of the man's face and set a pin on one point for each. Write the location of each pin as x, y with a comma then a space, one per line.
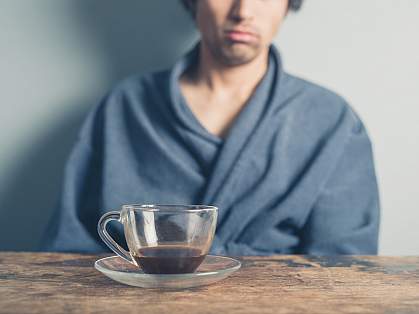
237, 31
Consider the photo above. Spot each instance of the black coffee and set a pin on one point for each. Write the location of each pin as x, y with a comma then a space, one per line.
169, 259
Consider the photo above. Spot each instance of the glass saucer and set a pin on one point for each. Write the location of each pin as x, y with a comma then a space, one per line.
212, 269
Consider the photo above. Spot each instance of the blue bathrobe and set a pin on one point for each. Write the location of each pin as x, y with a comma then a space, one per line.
294, 174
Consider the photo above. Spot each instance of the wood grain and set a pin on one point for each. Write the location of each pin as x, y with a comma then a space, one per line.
56, 283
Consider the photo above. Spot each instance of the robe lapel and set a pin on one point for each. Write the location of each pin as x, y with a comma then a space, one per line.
237, 147
251, 129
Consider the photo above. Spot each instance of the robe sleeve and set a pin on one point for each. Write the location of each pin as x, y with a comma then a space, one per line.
72, 227
345, 217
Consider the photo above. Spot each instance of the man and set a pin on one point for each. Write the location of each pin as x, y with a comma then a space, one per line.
288, 163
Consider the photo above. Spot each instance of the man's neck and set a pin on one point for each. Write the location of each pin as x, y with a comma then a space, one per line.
216, 93
220, 78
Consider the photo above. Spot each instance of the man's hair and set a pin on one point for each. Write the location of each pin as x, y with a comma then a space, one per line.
293, 5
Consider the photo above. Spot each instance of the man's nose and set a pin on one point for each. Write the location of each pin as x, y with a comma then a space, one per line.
242, 9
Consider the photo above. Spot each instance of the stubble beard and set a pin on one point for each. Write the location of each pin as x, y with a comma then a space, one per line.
230, 53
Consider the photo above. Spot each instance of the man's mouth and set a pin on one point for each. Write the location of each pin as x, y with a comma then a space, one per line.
237, 35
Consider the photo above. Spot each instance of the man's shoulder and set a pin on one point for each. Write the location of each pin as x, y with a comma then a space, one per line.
133, 92
130, 97
137, 83
313, 91
318, 100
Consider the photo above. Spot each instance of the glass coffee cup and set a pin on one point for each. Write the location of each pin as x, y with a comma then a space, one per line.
163, 239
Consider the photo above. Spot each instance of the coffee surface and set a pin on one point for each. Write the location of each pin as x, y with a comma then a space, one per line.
169, 259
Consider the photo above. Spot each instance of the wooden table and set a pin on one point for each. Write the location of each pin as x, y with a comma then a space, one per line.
55, 283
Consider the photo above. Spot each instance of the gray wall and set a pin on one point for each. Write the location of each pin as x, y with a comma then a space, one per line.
57, 58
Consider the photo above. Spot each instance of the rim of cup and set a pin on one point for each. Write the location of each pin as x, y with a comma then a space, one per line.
170, 207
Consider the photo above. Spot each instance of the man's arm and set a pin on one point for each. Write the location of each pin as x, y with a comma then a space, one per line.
72, 227
345, 217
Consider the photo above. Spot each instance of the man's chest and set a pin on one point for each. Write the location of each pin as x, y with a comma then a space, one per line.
215, 114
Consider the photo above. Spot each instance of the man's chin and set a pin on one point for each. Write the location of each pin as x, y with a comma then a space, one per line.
239, 54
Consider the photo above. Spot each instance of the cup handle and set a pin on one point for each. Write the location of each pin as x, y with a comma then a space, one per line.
109, 241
